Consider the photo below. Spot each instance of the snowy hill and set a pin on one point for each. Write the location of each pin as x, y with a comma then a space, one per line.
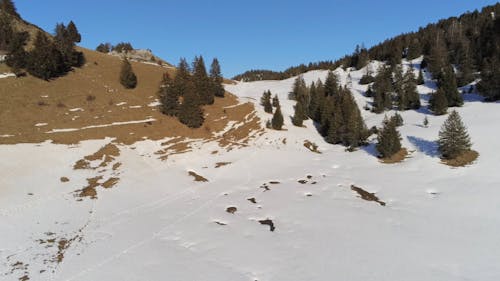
271, 209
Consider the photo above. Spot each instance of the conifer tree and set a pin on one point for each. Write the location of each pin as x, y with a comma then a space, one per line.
127, 76
168, 97
202, 85
399, 88
276, 101
448, 83
438, 58
182, 79
44, 60
190, 113
438, 102
426, 121
73, 34
397, 119
489, 86
104, 48
453, 137
277, 121
299, 115
388, 140
265, 101
313, 101
410, 91
420, 79
9, 7
17, 56
382, 87
216, 79
331, 84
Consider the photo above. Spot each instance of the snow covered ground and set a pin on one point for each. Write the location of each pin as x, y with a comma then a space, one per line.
437, 223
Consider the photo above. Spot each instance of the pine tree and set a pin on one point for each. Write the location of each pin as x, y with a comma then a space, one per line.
399, 88
426, 121
168, 97
16, 58
397, 119
313, 101
182, 79
382, 87
127, 76
202, 85
73, 34
276, 101
489, 86
420, 79
104, 48
9, 7
277, 121
331, 84
410, 91
388, 140
448, 83
453, 137
44, 61
216, 79
190, 113
299, 115
438, 58
438, 102
265, 101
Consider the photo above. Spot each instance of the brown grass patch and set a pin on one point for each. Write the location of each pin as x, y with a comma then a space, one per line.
110, 182
311, 146
221, 164
89, 190
268, 222
64, 179
396, 158
197, 177
462, 160
365, 195
19, 109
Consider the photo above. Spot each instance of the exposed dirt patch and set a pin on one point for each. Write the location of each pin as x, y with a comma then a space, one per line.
116, 166
365, 195
128, 116
268, 222
221, 164
90, 189
197, 177
265, 187
274, 182
64, 179
302, 181
396, 158
110, 182
311, 146
253, 200
231, 209
462, 160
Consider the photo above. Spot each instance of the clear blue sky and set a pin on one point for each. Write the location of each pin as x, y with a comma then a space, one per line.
243, 35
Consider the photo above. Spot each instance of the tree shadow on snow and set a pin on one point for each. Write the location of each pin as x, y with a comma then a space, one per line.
370, 149
429, 148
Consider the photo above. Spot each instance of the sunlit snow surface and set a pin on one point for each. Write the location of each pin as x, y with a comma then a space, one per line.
438, 223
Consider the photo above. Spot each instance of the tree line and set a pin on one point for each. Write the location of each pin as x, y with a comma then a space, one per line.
50, 57
470, 43
183, 95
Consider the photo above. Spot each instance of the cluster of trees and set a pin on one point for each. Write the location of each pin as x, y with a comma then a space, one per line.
277, 121
120, 47
328, 104
453, 138
394, 87
183, 95
50, 57
471, 43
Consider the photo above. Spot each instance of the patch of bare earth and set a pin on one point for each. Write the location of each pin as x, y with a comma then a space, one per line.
89, 103
365, 195
311, 146
221, 164
462, 160
396, 158
197, 177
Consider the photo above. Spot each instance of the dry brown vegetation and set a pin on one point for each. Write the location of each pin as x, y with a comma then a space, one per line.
197, 177
462, 160
31, 109
396, 158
